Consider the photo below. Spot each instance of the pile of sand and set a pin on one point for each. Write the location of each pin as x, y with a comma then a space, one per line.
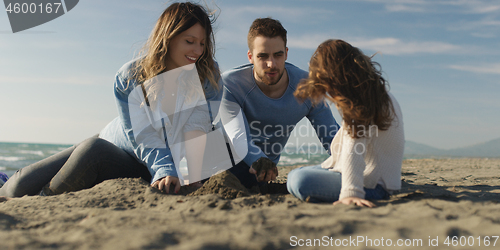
225, 184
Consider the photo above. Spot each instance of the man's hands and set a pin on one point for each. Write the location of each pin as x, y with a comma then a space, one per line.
163, 184
264, 169
357, 201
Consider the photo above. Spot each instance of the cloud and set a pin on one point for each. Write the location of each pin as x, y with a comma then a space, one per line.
486, 27
487, 24
300, 14
73, 80
478, 7
404, 8
233, 23
278, 10
386, 45
463, 6
483, 69
310, 41
479, 17
403, 5
394, 46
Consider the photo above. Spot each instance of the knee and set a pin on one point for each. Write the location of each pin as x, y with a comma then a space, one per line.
297, 183
14, 186
298, 177
94, 145
10, 191
93, 142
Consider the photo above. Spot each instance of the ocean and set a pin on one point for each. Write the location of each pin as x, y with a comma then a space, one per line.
14, 156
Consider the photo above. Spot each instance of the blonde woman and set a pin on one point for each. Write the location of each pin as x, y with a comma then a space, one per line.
135, 144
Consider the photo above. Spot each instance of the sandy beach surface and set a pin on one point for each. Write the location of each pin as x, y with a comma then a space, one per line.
442, 203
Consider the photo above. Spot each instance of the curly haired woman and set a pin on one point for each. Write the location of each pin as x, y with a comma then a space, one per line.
367, 152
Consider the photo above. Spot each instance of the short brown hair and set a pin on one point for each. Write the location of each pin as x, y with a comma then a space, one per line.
266, 27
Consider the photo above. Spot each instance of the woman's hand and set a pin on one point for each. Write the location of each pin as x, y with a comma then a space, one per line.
357, 201
163, 184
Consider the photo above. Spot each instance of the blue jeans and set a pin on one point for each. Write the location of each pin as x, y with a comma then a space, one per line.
322, 185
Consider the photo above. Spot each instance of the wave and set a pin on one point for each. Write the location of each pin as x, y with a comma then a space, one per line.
11, 158
32, 152
285, 161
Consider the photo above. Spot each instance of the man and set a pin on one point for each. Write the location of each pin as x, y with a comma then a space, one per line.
258, 108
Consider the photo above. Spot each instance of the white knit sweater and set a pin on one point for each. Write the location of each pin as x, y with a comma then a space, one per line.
371, 160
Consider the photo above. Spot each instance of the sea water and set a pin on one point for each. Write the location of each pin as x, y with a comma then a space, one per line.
14, 156
303, 156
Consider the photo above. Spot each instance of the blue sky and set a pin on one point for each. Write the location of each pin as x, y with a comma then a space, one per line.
441, 57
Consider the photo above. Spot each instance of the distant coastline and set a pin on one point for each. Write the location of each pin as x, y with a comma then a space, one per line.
489, 149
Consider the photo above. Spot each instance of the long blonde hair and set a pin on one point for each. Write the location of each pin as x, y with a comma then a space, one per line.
350, 79
176, 19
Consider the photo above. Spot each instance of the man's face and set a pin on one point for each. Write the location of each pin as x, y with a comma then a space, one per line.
268, 57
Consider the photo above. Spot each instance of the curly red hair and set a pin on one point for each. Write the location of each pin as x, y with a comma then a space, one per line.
343, 74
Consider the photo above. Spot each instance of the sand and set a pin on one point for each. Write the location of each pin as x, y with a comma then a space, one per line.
439, 199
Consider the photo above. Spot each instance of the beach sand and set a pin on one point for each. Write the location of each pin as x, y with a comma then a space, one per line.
439, 199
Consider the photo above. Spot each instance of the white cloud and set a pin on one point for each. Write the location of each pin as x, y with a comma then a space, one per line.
73, 80
488, 27
479, 17
481, 8
233, 23
387, 45
464, 6
402, 5
487, 23
490, 23
483, 69
404, 8
308, 41
291, 12
286, 14
394, 46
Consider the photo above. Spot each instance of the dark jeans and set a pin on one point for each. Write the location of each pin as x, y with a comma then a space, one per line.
241, 172
79, 167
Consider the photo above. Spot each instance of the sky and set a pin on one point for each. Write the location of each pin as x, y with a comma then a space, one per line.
440, 57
